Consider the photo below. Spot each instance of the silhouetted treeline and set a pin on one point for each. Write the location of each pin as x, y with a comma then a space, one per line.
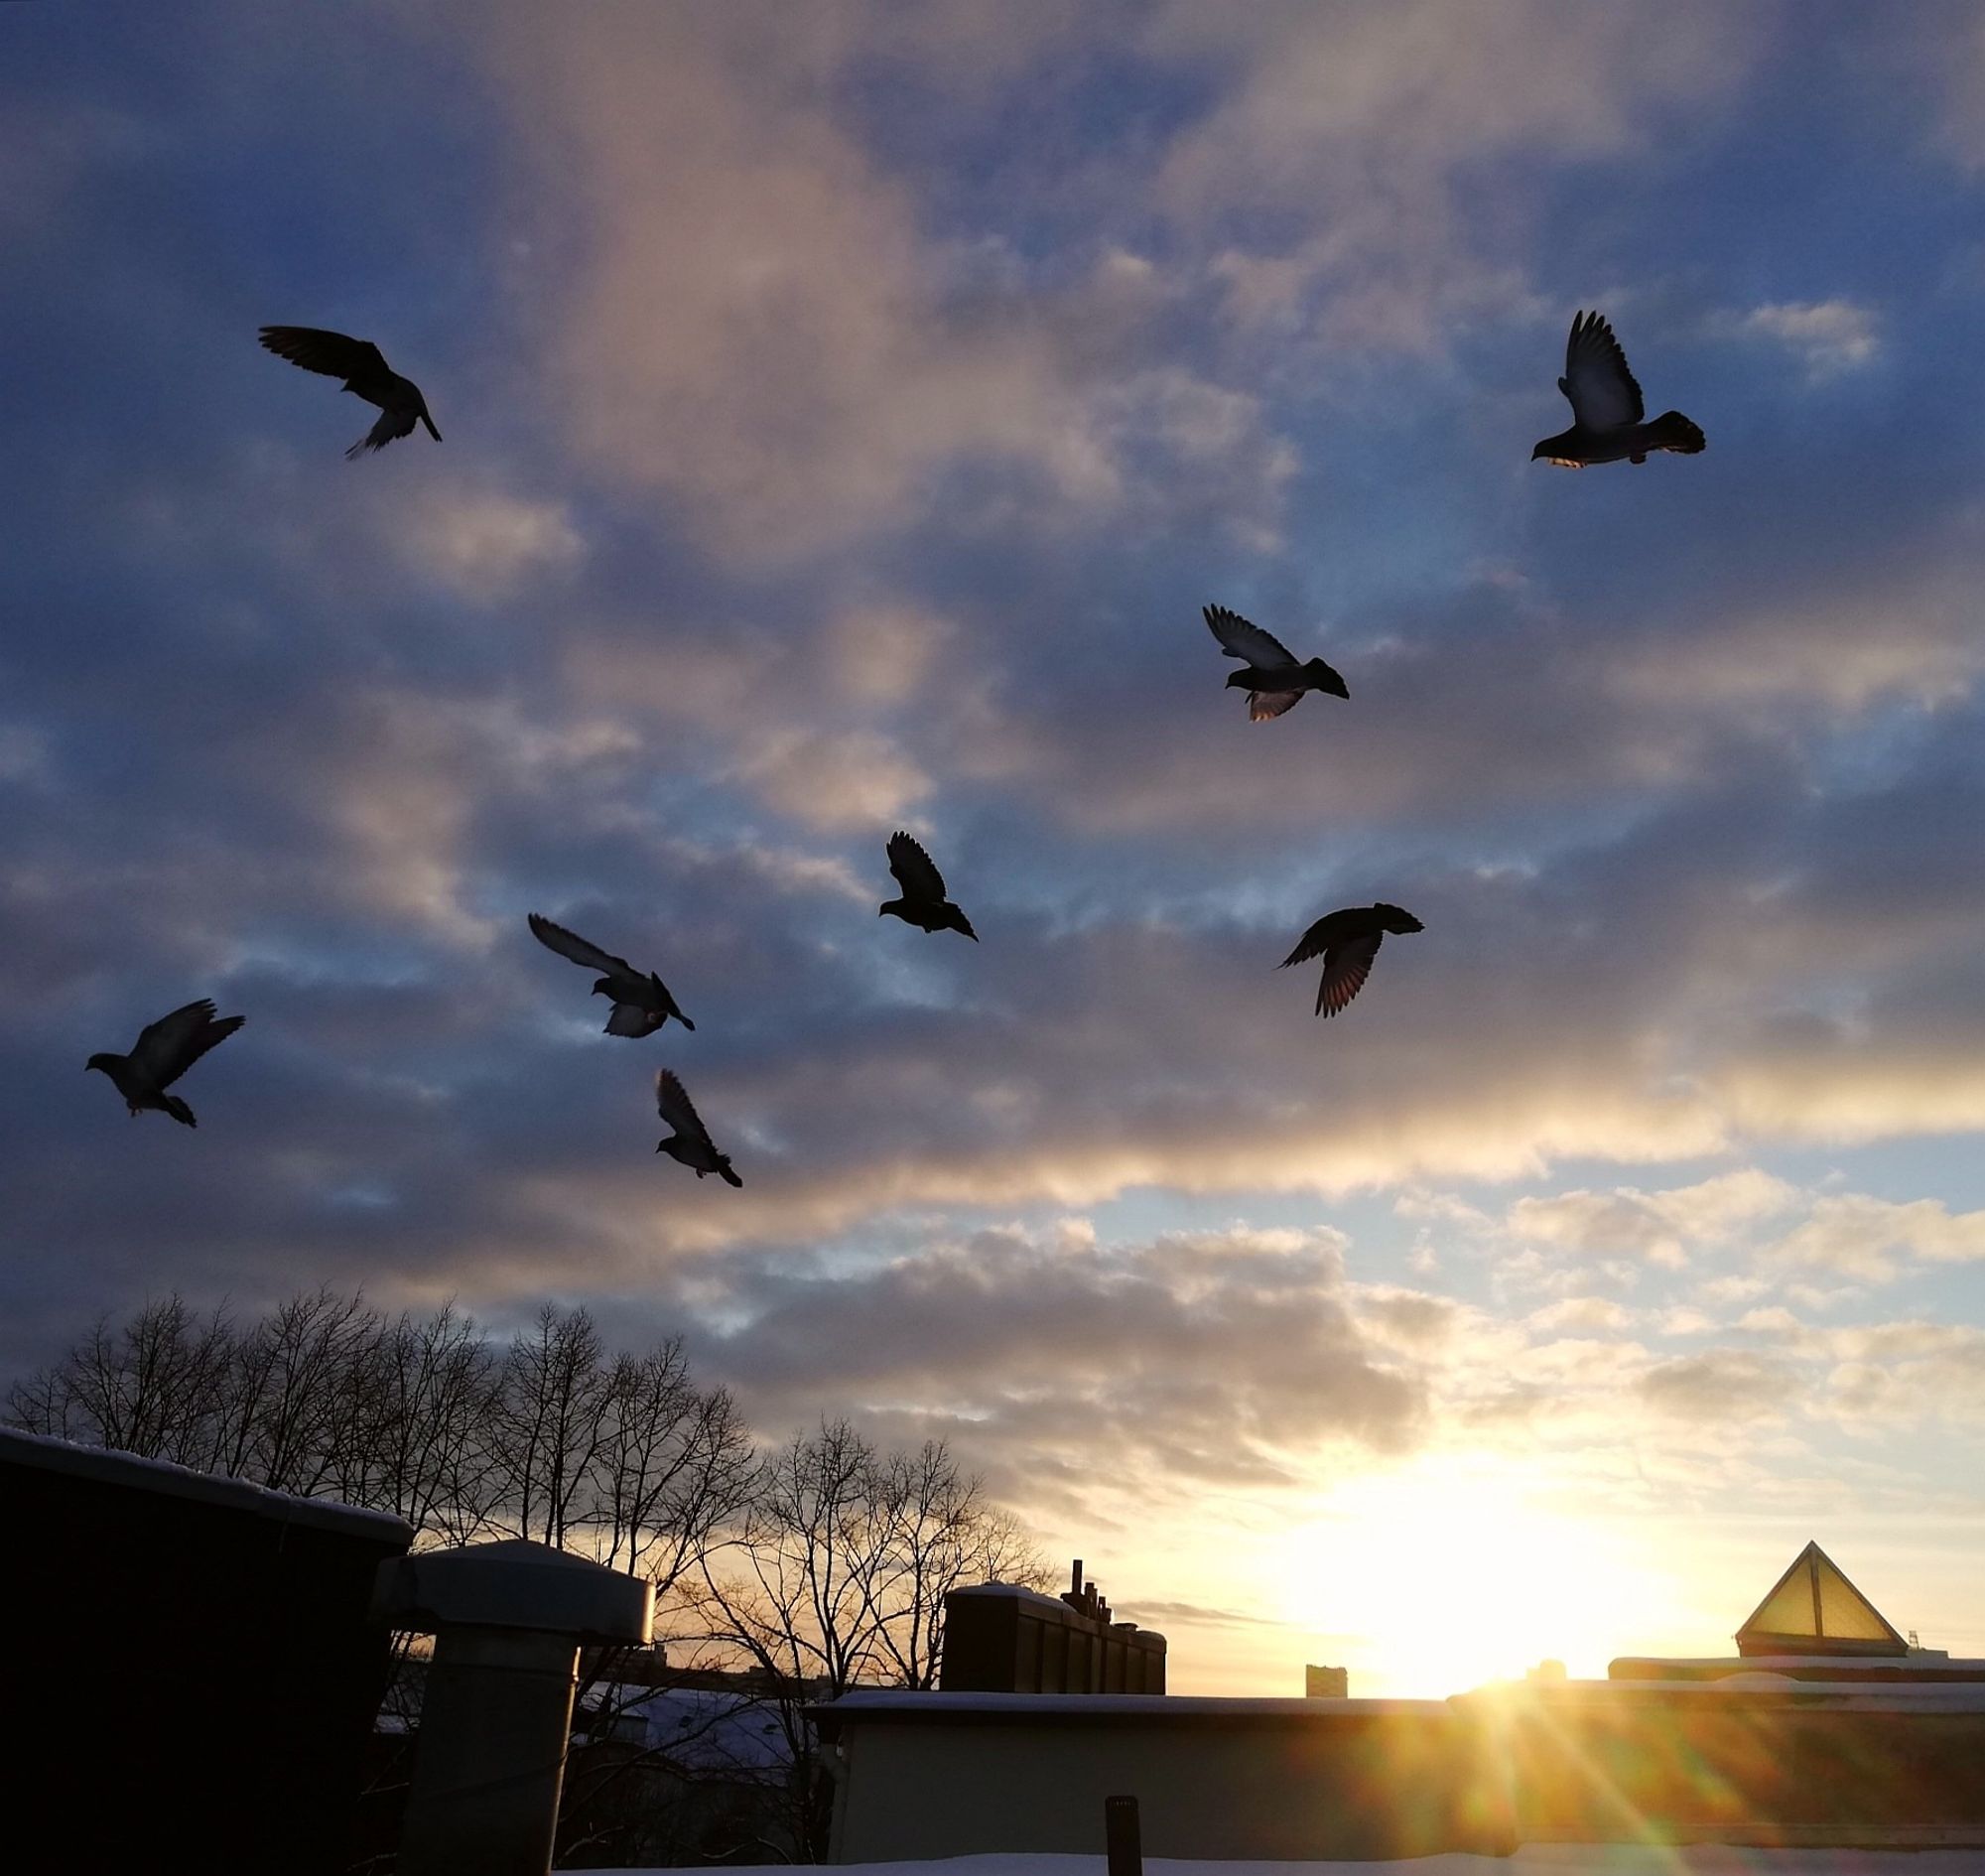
621, 1456
822, 1563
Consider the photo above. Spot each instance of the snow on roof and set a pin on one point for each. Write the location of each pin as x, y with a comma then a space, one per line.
1919, 1661
892, 1703
127, 1469
704, 1729
1014, 1592
1836, 1696
1533, 1859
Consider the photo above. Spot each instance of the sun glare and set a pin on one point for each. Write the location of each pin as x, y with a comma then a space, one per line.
1453, 1572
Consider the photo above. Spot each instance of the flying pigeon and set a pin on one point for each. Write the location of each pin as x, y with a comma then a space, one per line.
1607, 407
163, 1052
364, 371
641, 1004
1274, 681
923, 902
1348, 941
691, 1142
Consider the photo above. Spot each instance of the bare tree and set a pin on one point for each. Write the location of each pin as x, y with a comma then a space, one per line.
407, 1430
938, 1533
836, 1575
288, 1374
158, 1388
548, 1414
670, 1464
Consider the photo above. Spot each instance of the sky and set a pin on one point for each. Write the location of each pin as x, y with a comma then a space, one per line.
848, 410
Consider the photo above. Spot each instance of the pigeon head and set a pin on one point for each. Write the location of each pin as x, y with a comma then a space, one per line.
1325, 679
105, 1062
1397, 918
1543, 450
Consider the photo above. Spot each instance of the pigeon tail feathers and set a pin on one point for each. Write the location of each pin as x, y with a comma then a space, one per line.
179, 1109
1672, 431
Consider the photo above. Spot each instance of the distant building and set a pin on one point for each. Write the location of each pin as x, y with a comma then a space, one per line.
1326, 1684
1000, 1638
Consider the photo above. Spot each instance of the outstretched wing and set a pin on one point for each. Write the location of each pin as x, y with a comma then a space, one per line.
673, 1104
1603, 393
1264, 705
331, 353
569, 944
392, 425
915, 873
1333, 928
1345, 969
166, 1049
1241, 639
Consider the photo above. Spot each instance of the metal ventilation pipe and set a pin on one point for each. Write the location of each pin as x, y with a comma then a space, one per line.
508, 1620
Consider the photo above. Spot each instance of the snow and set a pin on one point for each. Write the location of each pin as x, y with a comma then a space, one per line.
159, 1475
1836, 1696
864, 1703
1933, 1661
702, 1729
1533, 1859
1015, 1592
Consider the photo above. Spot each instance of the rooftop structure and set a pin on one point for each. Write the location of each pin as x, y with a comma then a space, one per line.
1812, 1609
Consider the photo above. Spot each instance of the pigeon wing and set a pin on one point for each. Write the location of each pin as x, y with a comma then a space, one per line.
1333, 928
166, 1049
331, 353
1241, 639
673, 1104
1603, 393
1346, 966
1264, 705
569, 944
392, 424
915, 873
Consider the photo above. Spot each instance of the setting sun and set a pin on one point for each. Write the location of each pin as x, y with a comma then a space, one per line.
1451, 1574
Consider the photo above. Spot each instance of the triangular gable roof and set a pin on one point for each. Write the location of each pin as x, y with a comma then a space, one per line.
1814, 1609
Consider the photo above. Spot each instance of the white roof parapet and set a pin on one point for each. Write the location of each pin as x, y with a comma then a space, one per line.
108, 1466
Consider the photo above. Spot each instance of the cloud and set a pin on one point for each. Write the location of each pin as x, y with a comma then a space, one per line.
1660, 1225
774, 342
842, 782
1216, 1355
1336, 179
1724, 1385
485, 544
1827, 336
1859, 1236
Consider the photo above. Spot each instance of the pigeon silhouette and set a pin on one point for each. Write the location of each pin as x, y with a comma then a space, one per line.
1274, 681
1607, 407
923, 902
365, 373
1348, 941
163, 1052
641, 1004
689, 1142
